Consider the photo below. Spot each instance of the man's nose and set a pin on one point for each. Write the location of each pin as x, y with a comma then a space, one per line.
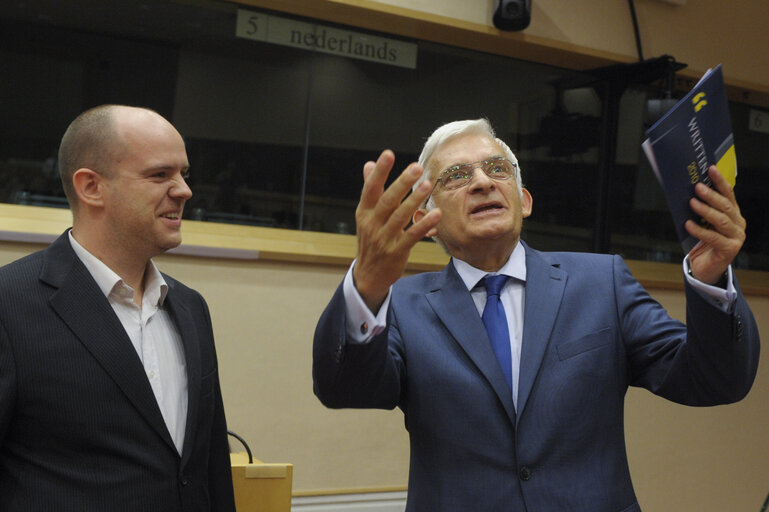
480, 179
180, 189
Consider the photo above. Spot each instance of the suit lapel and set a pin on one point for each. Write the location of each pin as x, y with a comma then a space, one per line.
545, 284
186, 325
85, 310
454, 306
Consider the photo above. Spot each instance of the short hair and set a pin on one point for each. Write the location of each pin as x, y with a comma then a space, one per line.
89, 142
453, 129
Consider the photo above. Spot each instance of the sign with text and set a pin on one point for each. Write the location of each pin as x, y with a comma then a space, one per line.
331, 40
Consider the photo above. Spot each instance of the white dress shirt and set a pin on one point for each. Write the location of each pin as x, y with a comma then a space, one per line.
153, 334
722, 298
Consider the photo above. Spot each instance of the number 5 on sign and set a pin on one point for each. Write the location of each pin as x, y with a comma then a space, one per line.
251, 26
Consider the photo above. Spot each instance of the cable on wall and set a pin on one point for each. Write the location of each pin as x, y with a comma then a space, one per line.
635, 29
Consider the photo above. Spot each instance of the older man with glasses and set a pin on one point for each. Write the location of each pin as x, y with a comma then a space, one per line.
511, 365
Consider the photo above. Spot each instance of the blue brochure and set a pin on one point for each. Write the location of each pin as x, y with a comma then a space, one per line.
695, 134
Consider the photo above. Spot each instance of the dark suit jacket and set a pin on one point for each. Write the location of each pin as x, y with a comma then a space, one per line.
590, 331
80, 429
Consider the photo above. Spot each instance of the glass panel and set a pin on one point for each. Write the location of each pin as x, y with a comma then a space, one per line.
242, 110
277, 136
359, 108
640, 222
241, 105
752, 188
46, 83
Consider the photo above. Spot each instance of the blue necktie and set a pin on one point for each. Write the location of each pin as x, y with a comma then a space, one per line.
496, 325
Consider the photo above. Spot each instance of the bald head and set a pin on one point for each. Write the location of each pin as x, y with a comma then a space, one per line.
93, 141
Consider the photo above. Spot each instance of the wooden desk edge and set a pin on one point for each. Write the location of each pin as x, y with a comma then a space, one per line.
39, 225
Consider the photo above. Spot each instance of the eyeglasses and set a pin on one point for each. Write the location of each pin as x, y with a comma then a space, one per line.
456, 176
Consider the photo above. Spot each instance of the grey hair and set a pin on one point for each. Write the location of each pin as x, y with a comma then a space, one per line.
453, 129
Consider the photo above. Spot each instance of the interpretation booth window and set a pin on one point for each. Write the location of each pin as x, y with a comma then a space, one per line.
277, 130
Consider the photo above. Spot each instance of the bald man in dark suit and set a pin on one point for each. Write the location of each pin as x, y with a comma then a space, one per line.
109, 388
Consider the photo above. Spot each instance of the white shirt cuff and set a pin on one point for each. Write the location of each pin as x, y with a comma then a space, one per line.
361, 324
721, 298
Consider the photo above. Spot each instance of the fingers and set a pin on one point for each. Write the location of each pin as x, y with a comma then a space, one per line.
711, 237
392, 198
382, 215
719, 207
368, 168
389, 205
374, 177
720, 183
398, 210
388, 202
722, 198
723, 233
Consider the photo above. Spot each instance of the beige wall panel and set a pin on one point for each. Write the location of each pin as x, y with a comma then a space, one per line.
711, 458
264, 316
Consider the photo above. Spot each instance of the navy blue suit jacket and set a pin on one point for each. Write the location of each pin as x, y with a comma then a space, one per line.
80, 428
590, 331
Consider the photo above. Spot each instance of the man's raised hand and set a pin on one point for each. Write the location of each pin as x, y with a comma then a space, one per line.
381, 218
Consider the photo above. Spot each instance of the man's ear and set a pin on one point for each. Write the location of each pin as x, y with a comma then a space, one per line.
418, 215
89, 187
527, 202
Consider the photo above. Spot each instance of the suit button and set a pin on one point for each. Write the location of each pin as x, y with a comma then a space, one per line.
185, 482
525, 474
339, 353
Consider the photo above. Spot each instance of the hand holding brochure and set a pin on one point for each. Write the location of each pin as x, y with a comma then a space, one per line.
695, 134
